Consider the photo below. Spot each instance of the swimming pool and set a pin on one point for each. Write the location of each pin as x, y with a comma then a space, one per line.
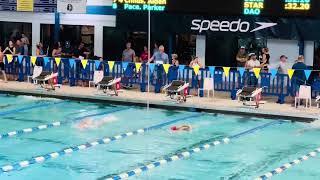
32, 148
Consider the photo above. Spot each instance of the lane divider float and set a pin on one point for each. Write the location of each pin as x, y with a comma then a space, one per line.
184, 154
54, 124
69, 150
286, 166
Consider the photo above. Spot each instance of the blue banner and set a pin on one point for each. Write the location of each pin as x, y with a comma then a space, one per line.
181, 68
273, 73
241, 71
20, 58
307, 73
72, 62
125, 65
212, 70
151, 67
97, 64
46, 60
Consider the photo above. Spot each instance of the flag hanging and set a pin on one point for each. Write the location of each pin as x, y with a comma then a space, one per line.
256, 72
166, 67
290, 73
226, 71
138, 66
84, 63
196, 69
58, 60
111, 65
33, 60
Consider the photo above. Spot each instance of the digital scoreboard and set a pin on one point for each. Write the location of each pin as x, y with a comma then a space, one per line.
253, 7
275, 8
301, 5
140, 5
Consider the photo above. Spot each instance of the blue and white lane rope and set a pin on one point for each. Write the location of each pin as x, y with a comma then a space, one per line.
3, 113
185, 154
69, 150
53, 125
286, 166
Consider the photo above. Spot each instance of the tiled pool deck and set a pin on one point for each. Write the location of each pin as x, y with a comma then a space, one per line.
220, 103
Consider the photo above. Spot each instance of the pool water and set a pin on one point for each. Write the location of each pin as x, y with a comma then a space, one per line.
247, 157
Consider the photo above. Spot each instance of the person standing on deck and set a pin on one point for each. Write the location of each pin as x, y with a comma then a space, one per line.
57, 50
196, 62
298, 77
128, 56
250, 64
282, 67
265, 61
80, 53
2, 69
159, 57
175, 61
241, 57
144, 55
11, 49
25, 46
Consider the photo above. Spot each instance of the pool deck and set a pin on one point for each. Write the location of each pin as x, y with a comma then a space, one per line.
221, 103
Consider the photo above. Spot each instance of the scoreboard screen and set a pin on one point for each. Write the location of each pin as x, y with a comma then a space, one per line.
278, 8
251, 7
140, 5
301, 5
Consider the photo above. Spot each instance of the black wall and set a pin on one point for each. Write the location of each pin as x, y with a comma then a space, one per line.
221, 47
221, 50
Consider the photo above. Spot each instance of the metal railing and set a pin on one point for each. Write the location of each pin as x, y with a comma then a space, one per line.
280, 85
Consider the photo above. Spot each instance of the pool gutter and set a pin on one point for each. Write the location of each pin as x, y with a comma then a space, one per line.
249, 112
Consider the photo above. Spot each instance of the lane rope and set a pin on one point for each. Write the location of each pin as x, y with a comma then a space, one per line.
287, 166
69, 150
54, 124
4, 113
179, 156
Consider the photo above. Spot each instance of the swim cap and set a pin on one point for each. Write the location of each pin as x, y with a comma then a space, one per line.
174, 128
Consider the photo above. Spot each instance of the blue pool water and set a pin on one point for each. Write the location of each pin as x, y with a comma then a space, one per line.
247, 157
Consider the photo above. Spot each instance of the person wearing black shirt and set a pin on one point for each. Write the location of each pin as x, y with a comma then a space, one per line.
67, 51
19, 48
10, 49
265, 59
299, 77
2, 68
81, 51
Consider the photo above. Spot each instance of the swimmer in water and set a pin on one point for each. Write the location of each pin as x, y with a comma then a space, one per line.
315, 125
89, 123
181, 128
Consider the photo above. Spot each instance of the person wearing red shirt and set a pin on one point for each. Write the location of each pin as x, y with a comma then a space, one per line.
144, 55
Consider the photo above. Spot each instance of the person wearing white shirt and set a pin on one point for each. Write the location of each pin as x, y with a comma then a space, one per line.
283, 65
250, 64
